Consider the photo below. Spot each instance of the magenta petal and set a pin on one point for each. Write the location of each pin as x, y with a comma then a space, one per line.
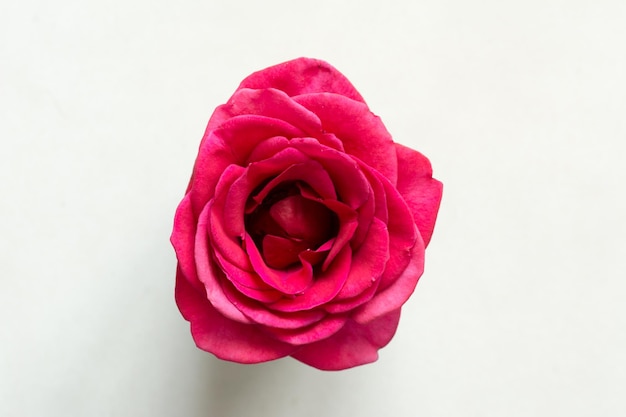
355, 344
260, 314
330, 140
375, 206
363, 134
213, 158
365, 215
209, 275
244, 133
302, 76
231, 143
394, 296
318, 331
257, 172
225, 338
270, 103
348, 304
325, 287
310, 172
402, 234
290, 281
421, 192
267, 149
347, 226
378, 190
350, 183
316, 256
262, 296
368, 262
247, 282
279, 252
302, 218
227, 245
183, 239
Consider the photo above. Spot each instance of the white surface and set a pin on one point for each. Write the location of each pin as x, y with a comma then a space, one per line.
520, 106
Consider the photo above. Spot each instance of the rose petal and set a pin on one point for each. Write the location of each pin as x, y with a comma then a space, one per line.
302, 76
270, 103
347, 226
267, 149
325, 287
243, 133
365, 215
421, 192
316, 256
402, 234
262, 296
213, 159
348, 304
280, 252
208, 274
227, 245
329, 139
378, 190
355, 344
225, 338
350, 183
368, 262
304, 219
290, 281
247, 282
257, 172
362, 133
310, 334
183, 239
310, 172
231, 143
260, 314
394, 296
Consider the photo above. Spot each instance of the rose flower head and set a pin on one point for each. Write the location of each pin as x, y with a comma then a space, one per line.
303, 228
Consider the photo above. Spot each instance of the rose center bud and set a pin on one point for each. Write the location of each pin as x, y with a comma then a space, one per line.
286, 224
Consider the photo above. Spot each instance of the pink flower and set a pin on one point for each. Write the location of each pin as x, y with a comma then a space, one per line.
303, 228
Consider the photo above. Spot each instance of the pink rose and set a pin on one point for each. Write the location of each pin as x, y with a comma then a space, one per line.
303, 228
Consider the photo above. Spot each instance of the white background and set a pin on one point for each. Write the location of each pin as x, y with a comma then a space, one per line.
520, 106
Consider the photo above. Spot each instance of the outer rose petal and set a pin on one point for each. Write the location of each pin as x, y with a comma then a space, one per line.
183, 238
353, 345
302, 76
225, 338
394, 296
267, 102
402, 235
224, 243
421, 192
259, 314
305, 335
363, 134
209, 275
231, 143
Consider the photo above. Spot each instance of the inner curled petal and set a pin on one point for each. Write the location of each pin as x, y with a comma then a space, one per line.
286, 224
304, 219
